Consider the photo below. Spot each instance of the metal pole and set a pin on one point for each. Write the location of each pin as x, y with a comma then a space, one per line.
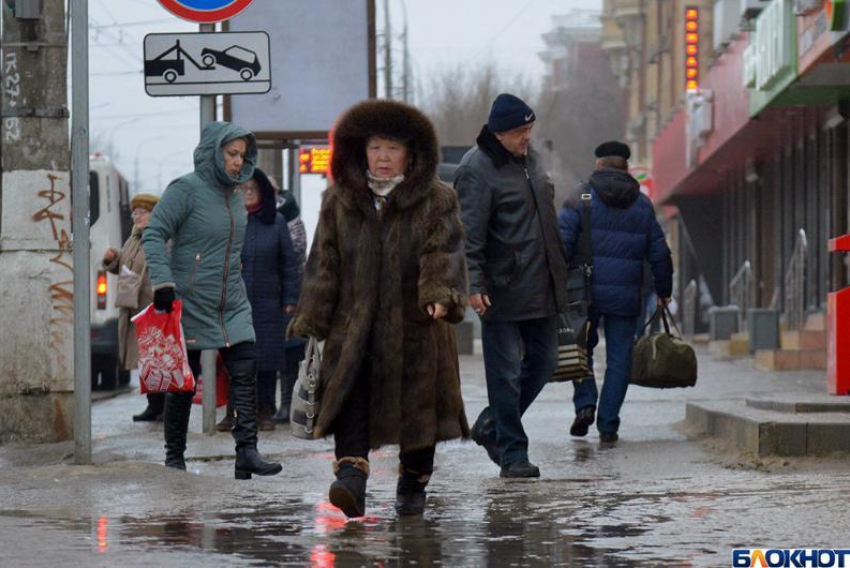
406, 63
388, 52
296, 171
80, 228
208, 358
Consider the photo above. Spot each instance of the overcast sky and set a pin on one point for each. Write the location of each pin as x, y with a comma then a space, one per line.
160, 133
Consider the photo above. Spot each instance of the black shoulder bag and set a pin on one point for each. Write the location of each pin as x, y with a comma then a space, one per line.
574, 322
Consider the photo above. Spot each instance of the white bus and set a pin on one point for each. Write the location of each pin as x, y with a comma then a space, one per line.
110, 227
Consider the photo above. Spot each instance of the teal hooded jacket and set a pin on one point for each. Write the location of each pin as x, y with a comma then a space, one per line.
205, 218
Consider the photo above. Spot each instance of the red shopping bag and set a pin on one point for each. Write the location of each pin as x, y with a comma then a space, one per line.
163, 362
222, 381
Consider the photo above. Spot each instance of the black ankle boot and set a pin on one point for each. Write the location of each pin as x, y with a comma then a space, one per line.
410, 492
178, 406
243, 397
348, 492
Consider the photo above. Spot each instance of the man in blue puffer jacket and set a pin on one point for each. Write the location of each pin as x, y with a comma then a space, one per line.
624, 232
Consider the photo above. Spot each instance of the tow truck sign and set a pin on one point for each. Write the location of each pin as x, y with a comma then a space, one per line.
207, 64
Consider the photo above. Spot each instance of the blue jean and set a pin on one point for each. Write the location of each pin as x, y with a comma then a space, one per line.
519, 359
619, 337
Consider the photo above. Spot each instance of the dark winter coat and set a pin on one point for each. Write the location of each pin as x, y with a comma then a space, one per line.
270, 272
624, 233
205, 218
514, 254
369, 280
288, 207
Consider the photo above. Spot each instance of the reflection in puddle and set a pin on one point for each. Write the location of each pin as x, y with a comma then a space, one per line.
502, 526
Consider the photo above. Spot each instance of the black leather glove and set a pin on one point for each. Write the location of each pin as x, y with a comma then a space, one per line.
163, 299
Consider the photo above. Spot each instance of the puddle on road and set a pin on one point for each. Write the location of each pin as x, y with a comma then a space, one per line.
511, 531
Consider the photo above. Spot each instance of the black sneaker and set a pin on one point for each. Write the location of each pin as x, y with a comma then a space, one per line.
584, 418
608, 438
520, 469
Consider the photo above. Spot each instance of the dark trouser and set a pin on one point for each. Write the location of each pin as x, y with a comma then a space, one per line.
156, 401
266, 385
619, 339
289, 374
519, 359
351, 431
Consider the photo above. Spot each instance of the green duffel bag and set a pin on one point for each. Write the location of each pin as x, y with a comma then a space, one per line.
663, 360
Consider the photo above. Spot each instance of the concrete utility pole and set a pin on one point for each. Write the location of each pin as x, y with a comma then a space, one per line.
388, 52
36, 268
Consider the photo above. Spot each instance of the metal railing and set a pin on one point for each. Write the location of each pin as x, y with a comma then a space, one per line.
689, 310
794, 306
742, 293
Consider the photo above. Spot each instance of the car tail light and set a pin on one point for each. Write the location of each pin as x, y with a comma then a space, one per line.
101, 290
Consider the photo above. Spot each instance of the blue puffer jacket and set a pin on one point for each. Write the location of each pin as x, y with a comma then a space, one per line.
270, 272
624, 233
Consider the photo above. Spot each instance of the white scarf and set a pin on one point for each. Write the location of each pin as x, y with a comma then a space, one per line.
382, 187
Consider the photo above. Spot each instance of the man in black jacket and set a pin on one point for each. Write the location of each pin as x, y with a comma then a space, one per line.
517, 274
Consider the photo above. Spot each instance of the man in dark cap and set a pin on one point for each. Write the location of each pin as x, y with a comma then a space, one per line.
517, 275
625, 233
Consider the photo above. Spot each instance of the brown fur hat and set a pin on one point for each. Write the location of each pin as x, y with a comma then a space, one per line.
143, 201
388, 119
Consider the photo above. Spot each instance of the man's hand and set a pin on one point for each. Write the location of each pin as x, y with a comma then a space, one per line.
437, 310
289, 309
109, 255
480, 303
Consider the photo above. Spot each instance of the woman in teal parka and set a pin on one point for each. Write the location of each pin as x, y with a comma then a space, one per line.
204, 217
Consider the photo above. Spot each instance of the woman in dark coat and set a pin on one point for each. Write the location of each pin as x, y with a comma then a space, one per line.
270, 272
385, 279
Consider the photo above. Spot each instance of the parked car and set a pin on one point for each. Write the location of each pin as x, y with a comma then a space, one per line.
234, 57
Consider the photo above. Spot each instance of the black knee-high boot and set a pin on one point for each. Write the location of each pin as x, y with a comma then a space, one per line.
243, 397
178, 406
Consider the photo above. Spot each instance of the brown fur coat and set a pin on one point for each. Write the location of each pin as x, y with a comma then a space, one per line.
369, 279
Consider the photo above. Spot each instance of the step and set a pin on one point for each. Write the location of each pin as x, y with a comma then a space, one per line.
778, 360
793, 360
770, 433
816, 322
824, 404
719, 347
806, 340
701, 339
739, 344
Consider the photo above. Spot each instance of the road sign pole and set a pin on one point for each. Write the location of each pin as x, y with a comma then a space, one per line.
80, 227
208, 374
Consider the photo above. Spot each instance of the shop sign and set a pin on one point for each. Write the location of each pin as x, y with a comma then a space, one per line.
775, 41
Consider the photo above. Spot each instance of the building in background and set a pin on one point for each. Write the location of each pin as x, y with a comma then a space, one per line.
747, 142
581, 103
572, 42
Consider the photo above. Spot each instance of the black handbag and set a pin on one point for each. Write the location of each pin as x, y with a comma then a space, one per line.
574, 321
663, 360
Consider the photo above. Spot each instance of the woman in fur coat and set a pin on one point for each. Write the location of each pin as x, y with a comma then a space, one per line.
385, 280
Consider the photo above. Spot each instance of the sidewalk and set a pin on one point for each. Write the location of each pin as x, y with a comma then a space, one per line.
758, 411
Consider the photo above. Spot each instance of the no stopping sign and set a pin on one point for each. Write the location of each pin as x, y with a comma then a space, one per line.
205, 11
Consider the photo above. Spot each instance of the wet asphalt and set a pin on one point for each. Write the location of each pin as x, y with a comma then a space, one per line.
660, 497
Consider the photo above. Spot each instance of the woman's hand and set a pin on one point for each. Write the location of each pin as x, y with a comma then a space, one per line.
437, 310
289, 309
109, 255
